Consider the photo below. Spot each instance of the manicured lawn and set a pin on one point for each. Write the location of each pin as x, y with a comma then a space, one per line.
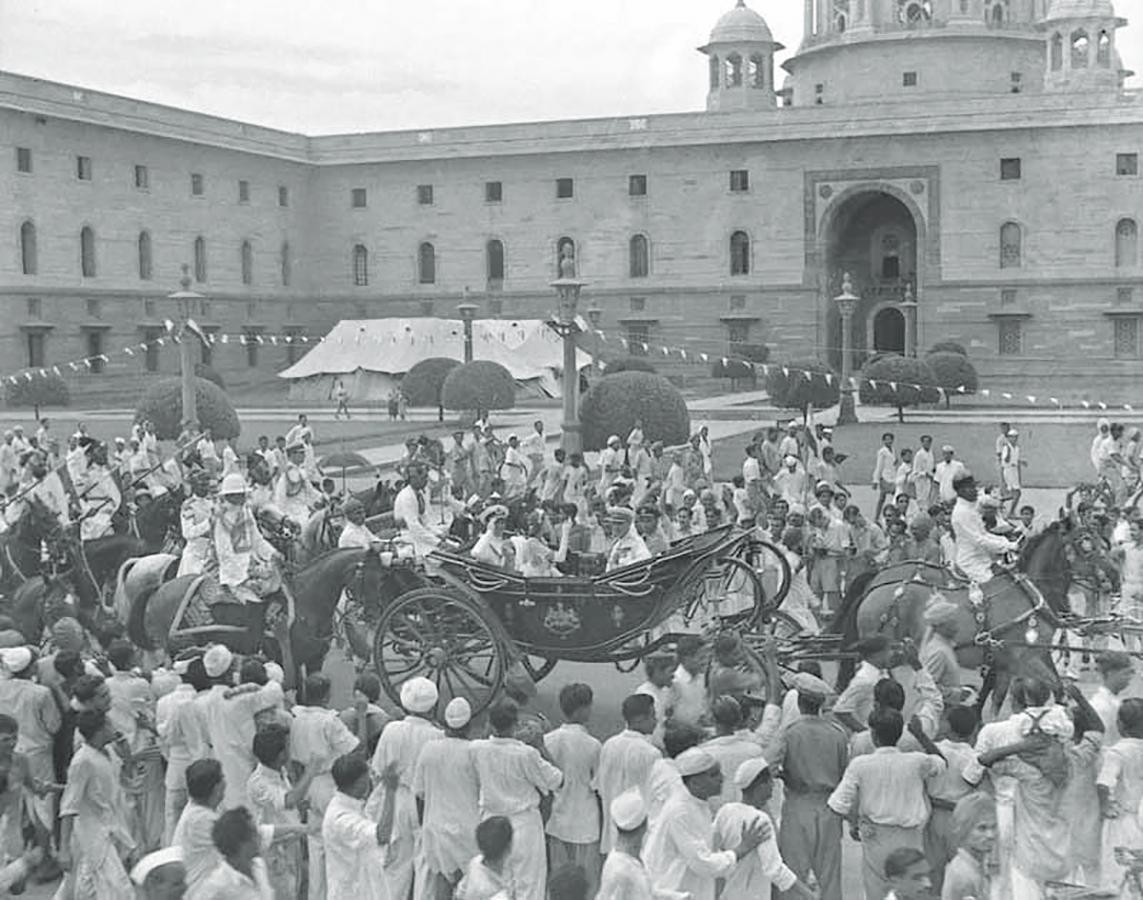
1057, 454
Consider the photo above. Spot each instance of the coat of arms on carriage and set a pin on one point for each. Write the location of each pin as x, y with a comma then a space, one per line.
562, 620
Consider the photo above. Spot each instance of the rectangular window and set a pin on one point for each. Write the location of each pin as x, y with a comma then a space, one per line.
197, 185
250, 338
1126, 338
637, 185
243, 191
819, 94
283, 195
24, 160
142, 178
1010, 169
151, 349
565, 188
638, 304
148, 309
1124, 296
94, 343
738, 332
1011, 337
909, 79
35, 309
638, 334
425, 194
358, 198
739, 180
36, 356
83, 168
738, 301
1017, 83
94, 308
493, 192
1126, 163
1008, 297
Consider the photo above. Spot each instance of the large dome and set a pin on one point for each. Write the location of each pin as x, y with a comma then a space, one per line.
741, 25
1079, 9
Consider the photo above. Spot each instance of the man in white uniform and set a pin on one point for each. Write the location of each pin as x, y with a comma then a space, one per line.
196, 520
411, 511
514, 470
533, 448
976, 547
627, 546
948, 470
355, 534
294, 496
100, 496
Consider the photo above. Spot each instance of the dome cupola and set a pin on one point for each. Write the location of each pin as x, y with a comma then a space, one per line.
741, 58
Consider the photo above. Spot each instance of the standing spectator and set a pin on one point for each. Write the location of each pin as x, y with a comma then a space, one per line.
1011, 462
182, 735
938, 649
907, 875
753, 876
883, 794
341, 398
812, 753
868, 542
948, 470
688, 688
624, 875
1001, 441
93, 834
318, 736
513, 776
366, 696
533, 447
704, 447
679, 854
205, 790
274, 800
730, 747
791, 482
1120, 786
625, 760
352, 839
660, 670
884, 472
610, 463
241, 870
969, 875
490, 876
664, 779
447, 789
1116, 670
573, 829
961, 777
397, 753
922, 475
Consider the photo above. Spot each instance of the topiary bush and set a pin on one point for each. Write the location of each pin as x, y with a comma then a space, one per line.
629, 364
43, 390
735, 369
797, 391
478, 387
948, 347
900, 381
162, 403
422, 384
615, 402
953, 372
202, 370
755, 353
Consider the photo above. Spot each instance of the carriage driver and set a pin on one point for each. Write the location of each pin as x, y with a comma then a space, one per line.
977, 549
411, 512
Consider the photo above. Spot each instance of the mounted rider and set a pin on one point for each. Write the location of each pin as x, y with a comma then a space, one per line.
100, 496
197, 523
247, 563
977, 549
43, 484
294, 496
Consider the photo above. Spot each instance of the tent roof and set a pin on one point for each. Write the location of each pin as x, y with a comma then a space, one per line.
525, 347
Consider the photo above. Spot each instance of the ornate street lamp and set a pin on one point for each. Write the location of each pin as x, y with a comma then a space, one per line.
565, 324
186, 299
467, 311
846, 305
909, 311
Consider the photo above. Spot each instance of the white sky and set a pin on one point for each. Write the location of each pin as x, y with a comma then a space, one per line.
324, 66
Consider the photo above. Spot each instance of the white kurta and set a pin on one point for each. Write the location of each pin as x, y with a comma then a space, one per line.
679, 854
512, 777
625, 878
230, 725
625, 762
445, 778
354, 861
976, 547
410, 510
575, 811
101, 499
757, 873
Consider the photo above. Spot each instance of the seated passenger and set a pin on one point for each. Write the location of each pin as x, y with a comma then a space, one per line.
494, 547
535, 558
647, 524
626, 545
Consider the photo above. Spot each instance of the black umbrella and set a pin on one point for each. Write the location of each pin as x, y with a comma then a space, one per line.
344, 460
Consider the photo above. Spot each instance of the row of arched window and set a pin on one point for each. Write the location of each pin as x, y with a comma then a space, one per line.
29, 256
638, 259
1079, 43
735, 71
1126, 244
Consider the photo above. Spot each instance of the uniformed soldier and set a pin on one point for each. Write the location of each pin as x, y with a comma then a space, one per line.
626, 545
197, 521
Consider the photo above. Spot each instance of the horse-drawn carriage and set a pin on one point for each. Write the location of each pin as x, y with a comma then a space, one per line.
470, 624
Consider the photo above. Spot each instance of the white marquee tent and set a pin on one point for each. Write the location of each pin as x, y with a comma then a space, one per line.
371, 355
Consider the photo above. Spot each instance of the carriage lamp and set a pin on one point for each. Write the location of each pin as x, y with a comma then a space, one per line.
467, 311
1033, 632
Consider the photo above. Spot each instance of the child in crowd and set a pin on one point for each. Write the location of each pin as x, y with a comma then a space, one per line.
1120, 786
922, 544
962, 775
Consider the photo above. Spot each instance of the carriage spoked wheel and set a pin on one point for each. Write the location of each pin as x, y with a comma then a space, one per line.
772, 567
444, 636
729, 594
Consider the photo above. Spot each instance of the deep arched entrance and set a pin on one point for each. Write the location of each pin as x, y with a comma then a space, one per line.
889, 330
873, 236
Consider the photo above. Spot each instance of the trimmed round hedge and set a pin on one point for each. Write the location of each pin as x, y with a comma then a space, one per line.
615, 402
41, 390
422, 384
201, 370
954, 373
900, 381
629, 364
479, 386
162, 403
797, 391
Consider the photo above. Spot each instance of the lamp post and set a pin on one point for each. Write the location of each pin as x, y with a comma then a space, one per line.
467, 311
594, 315
846, 305
565, 325
909, 311
186, 299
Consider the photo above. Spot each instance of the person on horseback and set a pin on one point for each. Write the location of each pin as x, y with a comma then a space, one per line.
293, 494
977, 549
197, 523
41, 483
246, 560
99, 495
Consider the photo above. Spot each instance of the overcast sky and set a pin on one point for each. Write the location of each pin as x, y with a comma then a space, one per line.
324, 66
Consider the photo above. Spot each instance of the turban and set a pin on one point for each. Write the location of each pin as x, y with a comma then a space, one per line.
419, 695
694, 762
217, 660
163, 681
628, 811
458, 713
16, 659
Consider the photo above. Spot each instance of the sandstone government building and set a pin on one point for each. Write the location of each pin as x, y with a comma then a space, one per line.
978, 156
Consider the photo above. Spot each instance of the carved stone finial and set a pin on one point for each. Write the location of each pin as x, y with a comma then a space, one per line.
567, 262
846, 284
185, 281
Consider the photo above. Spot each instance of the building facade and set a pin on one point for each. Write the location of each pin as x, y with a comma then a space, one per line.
978, 157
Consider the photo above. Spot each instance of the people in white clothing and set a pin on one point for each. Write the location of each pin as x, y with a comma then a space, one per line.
353, 840
411, 512
948, 470
977, 549
625, 760
355, 534
624, 875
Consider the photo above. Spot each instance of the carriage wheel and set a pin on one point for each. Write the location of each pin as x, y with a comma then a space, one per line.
772, 568
442, 635
729, 595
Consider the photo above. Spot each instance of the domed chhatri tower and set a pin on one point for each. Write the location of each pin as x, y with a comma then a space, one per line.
1081, 54
741, 51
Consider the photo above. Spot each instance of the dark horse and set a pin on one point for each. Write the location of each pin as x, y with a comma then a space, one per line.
994, 630
316, 589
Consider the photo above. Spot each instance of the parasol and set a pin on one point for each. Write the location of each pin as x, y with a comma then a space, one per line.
344, 460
